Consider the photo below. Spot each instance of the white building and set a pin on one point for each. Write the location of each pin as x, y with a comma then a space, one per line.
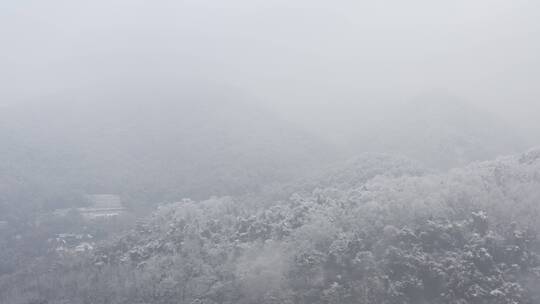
103, 206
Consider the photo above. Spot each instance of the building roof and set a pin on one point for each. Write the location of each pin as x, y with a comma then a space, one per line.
105, 201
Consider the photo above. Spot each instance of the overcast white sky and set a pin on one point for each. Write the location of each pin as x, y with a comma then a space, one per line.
305, 58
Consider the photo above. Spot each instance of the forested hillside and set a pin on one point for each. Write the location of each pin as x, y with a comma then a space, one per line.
466, 236
265, 212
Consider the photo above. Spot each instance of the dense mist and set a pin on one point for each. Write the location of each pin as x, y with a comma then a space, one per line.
306, 59
299, 152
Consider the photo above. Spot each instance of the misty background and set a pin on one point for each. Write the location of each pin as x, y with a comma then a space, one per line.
251, 151
327, 66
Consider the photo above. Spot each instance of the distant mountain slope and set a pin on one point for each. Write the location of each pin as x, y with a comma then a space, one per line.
441, 131
155, 143
358, 170
341, 176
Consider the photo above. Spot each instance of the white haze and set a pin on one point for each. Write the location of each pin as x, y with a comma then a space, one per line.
269, 151
324, 64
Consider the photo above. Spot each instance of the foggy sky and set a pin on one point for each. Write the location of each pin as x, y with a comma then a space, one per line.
316, 62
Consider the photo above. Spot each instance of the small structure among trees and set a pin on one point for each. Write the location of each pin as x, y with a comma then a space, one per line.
102, 206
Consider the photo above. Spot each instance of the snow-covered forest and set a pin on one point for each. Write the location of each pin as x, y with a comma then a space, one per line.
269, 152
